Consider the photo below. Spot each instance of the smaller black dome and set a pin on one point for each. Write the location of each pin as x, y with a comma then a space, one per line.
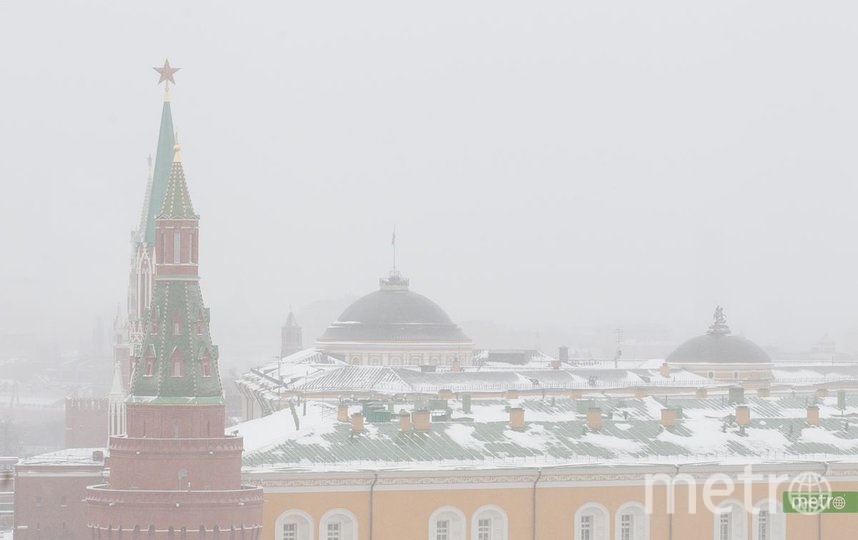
719, 349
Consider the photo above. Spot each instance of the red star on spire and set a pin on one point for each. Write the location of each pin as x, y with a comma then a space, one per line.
166, 72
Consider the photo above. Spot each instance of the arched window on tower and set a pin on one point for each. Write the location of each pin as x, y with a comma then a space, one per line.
177, 323
178, 363
206, 365
177, 247
149, 364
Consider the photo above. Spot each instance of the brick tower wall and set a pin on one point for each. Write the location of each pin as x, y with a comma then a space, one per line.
86, 423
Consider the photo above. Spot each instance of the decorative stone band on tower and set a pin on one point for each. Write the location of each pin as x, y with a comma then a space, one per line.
174, 474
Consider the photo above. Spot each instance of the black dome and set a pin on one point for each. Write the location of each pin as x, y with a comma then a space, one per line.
394, 314
719, 349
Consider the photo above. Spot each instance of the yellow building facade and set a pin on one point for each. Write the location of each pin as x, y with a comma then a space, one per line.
597, 502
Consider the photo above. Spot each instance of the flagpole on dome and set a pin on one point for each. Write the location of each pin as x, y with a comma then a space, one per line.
393, 243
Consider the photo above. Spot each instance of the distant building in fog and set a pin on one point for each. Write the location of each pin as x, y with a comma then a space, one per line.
291, 336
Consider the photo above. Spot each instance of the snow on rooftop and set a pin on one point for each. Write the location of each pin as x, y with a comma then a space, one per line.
262, 433
555, 433
68, 456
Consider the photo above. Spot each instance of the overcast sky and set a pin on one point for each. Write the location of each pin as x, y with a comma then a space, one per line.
546, 164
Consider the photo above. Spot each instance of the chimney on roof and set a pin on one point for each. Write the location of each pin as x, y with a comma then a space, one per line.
466, 403
357, 423
664, 370
813, 415
736, 394
342, 412
421, 421
668, 417
764, 391
743, 416
594, 418
516, 418
701, 393
404, 421
97, 455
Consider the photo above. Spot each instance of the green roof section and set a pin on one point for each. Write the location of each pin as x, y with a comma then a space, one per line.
177, 332
177, 201
161, 174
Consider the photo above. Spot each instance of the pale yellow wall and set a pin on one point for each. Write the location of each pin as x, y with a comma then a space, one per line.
404, 515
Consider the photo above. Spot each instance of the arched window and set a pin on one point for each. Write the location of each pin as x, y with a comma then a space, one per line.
206, 365
489, 523
149, 363
768, 521
447, 523
294, 525
177, 323
177, 247
729, 521
631, 522
591, 522
338, 524
178, 360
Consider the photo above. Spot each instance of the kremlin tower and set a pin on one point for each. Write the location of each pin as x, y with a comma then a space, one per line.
174, 474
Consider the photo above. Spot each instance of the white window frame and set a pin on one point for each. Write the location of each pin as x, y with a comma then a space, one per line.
776, 520
499, 522
349, 530
301, 518
738, 520
601, 523
456, 519
640, 521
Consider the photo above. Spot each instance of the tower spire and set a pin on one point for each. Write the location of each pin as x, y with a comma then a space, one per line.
163, 160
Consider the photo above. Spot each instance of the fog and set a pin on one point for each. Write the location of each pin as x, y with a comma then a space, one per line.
552, 168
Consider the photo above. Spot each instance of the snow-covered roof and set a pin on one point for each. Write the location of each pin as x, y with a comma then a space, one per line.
68, 456
556, 432
312, 371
